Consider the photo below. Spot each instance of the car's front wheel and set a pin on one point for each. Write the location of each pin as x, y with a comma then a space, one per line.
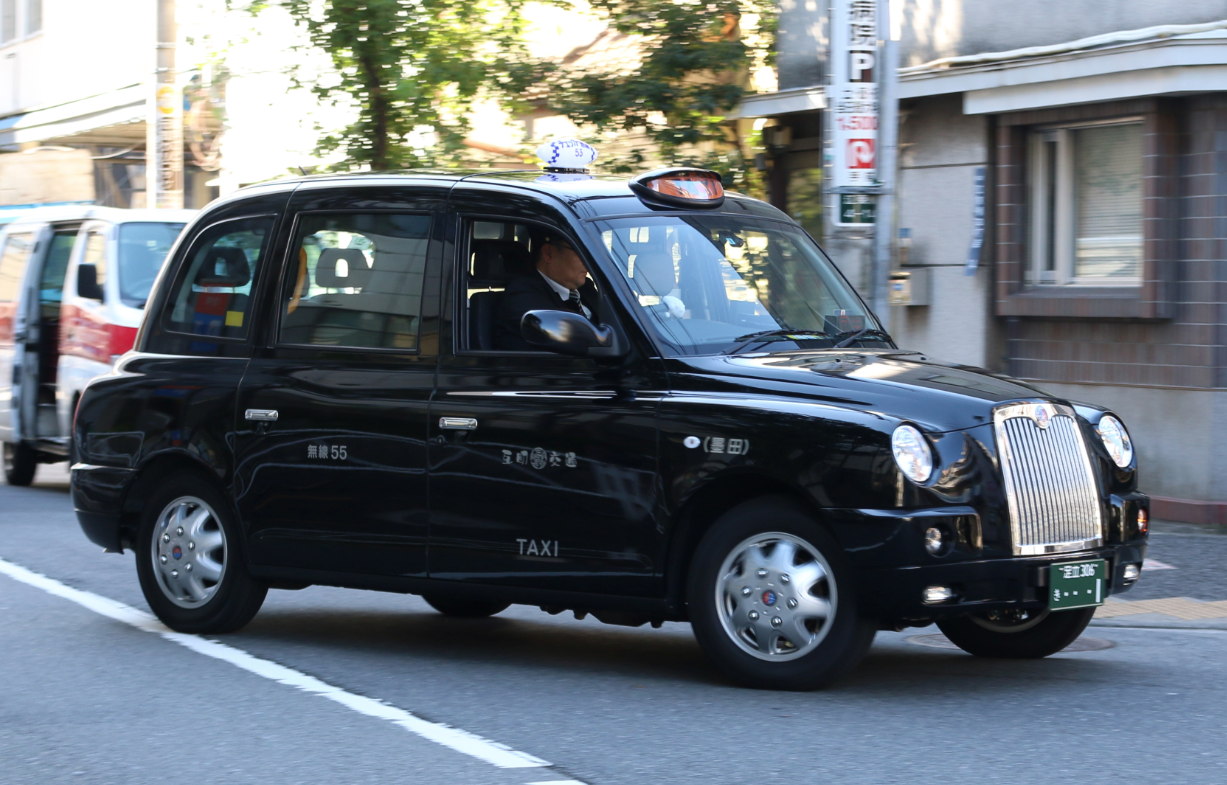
772, 602
189, 560
1016, 634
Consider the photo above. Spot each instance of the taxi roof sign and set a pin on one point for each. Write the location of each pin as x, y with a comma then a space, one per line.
568, 156
682, 187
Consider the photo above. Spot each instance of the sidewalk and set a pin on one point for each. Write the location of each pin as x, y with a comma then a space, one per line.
1172, 612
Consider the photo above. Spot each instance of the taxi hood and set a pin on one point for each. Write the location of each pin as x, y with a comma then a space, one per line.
935, 395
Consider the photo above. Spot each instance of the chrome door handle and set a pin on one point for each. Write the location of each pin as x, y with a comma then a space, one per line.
262, 415
458, 423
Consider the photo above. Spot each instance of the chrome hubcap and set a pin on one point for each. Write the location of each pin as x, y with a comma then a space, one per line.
189, 552
776, 596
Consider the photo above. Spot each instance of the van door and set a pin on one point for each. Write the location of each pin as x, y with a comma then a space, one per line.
15, 256
331, 439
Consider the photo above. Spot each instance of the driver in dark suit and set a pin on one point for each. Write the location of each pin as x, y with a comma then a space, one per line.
559, 283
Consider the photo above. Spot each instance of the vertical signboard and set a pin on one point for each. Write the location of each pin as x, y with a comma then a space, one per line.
854, 109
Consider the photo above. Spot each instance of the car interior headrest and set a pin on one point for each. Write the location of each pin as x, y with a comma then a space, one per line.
342, 268
224, 266
500, 260
654, 273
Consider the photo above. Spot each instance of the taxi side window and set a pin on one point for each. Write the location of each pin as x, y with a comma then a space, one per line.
498, 253
213, 296
357, 281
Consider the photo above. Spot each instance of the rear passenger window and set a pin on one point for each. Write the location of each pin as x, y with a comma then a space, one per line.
213, 295
358, 282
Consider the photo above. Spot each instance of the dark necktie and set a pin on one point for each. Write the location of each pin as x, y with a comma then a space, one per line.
575, 301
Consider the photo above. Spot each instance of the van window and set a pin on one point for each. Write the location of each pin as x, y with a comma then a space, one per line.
13, 260
142, 251
51, 284
358, 281
96, 254
212, 293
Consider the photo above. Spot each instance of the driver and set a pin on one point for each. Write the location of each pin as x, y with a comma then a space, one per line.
559, 283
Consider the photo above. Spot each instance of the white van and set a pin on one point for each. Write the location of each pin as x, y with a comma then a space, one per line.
73, 284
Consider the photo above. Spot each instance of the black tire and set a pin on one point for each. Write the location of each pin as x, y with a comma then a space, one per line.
234, 599
20, 463
463, 608
1035, 634
836, 643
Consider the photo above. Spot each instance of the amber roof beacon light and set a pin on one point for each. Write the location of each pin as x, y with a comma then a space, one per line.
680, 187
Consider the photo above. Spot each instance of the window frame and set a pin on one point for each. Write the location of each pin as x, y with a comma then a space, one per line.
1154, 296
290, 260
257, 281
1053, 207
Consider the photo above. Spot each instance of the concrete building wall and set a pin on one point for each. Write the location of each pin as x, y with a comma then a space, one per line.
945, 28
940, 150
801, 43
1177, 434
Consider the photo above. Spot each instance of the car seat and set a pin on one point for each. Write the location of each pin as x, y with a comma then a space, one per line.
221, 313
332, 318
494, 264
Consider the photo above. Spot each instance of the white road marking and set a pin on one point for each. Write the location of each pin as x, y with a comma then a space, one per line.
454, 738
558, 782
1154, 564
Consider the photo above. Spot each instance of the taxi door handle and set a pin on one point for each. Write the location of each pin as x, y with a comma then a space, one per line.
261, 415
458, 423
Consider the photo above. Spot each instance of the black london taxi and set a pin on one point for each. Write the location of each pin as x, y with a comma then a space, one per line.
716, 429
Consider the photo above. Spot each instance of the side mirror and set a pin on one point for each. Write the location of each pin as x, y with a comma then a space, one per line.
570, 333
87, 282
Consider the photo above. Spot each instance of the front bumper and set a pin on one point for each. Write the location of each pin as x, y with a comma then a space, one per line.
896, 594
97, 498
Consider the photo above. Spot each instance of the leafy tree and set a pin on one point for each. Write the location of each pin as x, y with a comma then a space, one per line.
412, 67
693, 71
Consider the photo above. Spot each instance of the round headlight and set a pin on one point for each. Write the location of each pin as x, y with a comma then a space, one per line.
912, 453
1115, 440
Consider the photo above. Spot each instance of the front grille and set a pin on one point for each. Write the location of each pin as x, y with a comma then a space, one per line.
1049, 480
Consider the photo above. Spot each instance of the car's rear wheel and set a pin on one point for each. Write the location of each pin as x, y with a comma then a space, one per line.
190, 563
462, 608
20, 463
771, 600
1016, 634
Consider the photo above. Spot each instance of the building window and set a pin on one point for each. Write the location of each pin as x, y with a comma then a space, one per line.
8, 20
1086, 204
34, 16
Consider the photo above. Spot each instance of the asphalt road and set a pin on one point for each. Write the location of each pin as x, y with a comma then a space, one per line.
86, 698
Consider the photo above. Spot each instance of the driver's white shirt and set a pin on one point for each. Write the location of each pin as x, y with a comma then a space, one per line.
564, 292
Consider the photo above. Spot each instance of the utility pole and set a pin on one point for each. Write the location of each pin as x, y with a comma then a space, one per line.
164, 126
888, 147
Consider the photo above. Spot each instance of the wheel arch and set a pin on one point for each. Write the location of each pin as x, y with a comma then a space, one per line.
152, 471
705, 506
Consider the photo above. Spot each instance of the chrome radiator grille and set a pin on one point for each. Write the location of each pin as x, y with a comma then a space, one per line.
1049, 480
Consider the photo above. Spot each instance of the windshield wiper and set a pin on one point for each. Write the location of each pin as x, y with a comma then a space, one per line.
843, 340
766, 335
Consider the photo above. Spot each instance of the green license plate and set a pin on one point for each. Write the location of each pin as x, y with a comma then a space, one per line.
1078, 584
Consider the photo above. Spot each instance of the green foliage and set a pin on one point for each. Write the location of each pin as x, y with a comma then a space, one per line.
694, 70
411, 68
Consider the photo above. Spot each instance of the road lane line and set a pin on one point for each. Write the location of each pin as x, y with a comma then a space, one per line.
453, 738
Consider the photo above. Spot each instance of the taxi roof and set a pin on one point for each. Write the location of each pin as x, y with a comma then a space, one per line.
570, 188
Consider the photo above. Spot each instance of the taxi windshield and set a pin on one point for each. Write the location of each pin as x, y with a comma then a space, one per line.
712, 284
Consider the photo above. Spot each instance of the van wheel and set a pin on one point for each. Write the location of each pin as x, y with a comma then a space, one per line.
464, 608
190, 561
20, 463
772, 602
1019, 635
